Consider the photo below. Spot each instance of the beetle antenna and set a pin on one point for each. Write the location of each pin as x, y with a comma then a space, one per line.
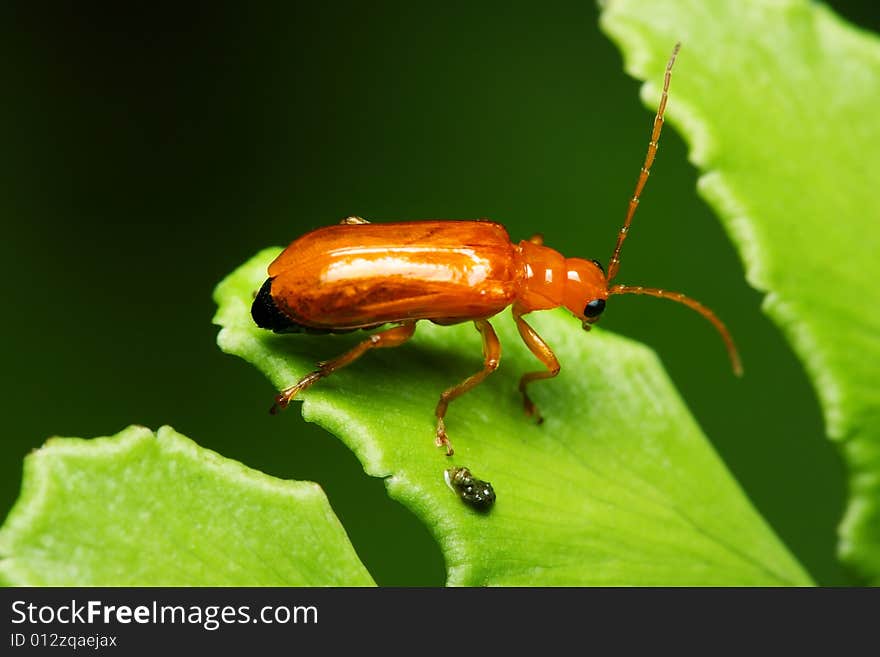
614, 263
694, 305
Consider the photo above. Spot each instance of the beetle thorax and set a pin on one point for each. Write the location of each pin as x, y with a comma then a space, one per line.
550, 280
543, 277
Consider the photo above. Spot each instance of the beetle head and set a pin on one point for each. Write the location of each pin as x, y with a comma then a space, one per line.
585, 289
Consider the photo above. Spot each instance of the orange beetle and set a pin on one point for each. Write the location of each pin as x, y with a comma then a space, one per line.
359, 275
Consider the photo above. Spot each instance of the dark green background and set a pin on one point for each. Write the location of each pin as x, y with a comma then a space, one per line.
144, 156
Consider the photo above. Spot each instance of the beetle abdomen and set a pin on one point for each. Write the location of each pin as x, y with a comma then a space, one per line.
267, 315
354, 276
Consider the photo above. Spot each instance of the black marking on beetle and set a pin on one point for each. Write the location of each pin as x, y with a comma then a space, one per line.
268, 315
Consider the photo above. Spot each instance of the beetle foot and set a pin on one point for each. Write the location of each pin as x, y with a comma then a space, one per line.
283, 398
442, 440
281, 402
532, 410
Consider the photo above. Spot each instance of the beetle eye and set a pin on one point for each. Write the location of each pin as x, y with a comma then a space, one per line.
594, 308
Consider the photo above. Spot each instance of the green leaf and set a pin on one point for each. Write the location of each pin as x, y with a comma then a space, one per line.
618, 486
779, 103
145, 509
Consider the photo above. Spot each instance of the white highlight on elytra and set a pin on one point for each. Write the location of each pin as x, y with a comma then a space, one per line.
360, 265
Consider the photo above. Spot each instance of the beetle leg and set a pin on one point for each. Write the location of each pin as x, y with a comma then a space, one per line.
543, 353
349, 221
491, 357
393, 337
